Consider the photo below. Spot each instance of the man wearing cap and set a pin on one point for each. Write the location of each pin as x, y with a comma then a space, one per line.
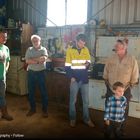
121, 67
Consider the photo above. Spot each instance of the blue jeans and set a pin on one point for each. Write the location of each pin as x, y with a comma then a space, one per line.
34, 78
2, 93
74, 87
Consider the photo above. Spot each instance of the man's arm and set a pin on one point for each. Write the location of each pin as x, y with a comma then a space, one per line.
7, 66
37, 60
135, 74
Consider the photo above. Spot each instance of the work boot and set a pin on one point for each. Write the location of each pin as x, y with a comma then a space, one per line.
30, 113
72, 123
45, 114
90, 123
5, 114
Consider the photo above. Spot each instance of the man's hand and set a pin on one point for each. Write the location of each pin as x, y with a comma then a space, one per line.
42, 59
73, 80
107, 122
106, 82
87, 64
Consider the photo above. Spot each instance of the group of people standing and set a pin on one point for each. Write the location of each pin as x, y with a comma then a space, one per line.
120, 67
121, 73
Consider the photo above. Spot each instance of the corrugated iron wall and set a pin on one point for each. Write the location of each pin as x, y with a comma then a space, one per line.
32, 11
114, 11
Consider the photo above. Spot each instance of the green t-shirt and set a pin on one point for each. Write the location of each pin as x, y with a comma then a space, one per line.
4, 58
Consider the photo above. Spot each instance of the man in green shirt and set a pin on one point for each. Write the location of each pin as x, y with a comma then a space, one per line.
4, 65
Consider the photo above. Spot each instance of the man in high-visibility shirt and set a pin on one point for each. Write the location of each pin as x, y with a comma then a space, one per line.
76, 66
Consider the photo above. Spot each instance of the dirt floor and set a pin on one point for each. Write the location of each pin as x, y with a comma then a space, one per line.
56, 125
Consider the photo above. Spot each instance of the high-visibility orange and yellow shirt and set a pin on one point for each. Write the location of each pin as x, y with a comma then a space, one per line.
75, 63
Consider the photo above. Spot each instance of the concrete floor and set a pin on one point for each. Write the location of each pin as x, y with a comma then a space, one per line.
56, 125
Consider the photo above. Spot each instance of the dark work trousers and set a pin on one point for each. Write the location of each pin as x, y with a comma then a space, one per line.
128, 96
37, 78
113, 128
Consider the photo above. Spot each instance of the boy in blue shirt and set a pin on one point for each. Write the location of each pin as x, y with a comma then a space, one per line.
114, 111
